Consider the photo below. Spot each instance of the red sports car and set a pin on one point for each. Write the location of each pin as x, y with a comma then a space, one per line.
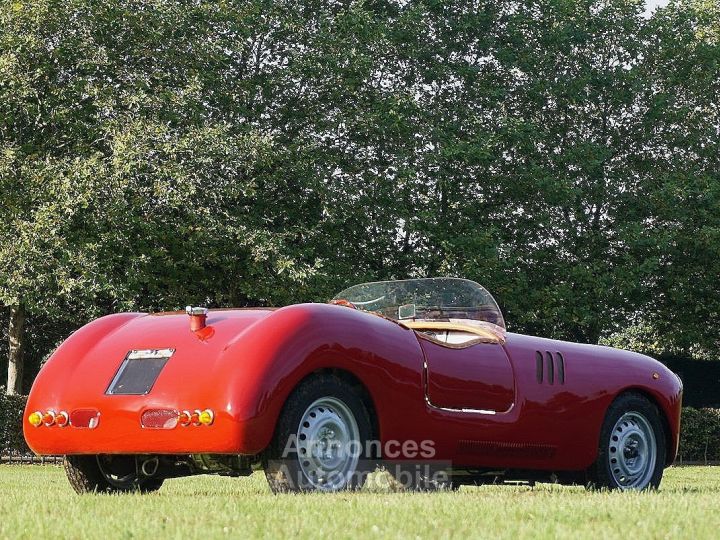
417, 376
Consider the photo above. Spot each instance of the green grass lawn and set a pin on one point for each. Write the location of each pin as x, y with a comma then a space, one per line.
37, 502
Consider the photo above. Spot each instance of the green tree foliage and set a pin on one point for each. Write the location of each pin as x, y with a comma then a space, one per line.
542, 160
154, 154
683, 193
137, 162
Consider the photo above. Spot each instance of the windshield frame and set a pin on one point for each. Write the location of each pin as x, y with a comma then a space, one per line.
453, 301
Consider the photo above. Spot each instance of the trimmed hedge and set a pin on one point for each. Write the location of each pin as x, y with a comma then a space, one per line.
12, 441
699, 435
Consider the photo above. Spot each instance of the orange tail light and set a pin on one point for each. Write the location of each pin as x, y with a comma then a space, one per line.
206, 417
35, 418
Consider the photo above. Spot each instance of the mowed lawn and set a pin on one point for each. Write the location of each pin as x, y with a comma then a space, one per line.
37, 502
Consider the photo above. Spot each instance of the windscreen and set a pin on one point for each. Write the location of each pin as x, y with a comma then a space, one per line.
437, 299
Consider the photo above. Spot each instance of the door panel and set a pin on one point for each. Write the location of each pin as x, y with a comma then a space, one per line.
475, 377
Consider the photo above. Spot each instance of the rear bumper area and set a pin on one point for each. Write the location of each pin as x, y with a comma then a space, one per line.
122, 432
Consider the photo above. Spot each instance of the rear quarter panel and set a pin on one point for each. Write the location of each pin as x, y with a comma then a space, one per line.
262, 367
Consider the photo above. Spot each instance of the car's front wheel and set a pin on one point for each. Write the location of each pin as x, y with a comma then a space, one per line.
632, 449
321, 441
108, 474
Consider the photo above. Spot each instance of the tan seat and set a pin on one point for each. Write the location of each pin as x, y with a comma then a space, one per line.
452, 326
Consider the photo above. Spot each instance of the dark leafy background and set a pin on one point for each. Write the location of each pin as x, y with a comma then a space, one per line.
565, 154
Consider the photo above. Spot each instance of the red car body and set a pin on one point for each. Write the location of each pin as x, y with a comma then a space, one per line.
528, 403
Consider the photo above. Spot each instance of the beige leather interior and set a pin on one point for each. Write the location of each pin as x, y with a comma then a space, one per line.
444, 326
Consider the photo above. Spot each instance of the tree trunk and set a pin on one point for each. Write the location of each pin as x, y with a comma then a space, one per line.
15, 360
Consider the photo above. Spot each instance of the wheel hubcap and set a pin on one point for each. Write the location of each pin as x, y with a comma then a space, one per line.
328, 439
632, 451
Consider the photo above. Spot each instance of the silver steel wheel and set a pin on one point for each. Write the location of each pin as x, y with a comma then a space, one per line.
632, 451
328, 442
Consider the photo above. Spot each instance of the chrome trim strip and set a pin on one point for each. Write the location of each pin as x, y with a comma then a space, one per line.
150, 353
470, 411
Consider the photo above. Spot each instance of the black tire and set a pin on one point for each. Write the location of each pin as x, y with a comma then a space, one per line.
282, 459
86, 476
616, 463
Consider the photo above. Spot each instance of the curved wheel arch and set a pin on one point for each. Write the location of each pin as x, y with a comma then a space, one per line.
353, 380
667, 432
326, 408
260, 371
631, 448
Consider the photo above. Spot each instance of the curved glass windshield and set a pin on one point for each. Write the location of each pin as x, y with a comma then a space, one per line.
431, 299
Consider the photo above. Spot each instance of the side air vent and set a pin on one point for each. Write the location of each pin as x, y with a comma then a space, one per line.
560, 368
549, 367
505, 449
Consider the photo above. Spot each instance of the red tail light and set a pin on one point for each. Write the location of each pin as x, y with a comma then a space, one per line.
62, 419
85, 418
49, 418
170, 418
184, 418
159, 418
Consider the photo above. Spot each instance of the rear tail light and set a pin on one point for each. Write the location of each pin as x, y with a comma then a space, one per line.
62, 419
48, 418
151, 418
206, 417
85, 418
170, 418
184, 418
159, 418
35, 418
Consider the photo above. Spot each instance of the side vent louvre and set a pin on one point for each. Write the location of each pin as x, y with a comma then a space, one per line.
539, 368
561, 368
549, 367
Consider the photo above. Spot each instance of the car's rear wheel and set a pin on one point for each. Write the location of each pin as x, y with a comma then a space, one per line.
107, 474
631, 455
321, 439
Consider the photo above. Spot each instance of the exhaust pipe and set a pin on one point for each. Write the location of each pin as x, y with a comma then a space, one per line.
150, 466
